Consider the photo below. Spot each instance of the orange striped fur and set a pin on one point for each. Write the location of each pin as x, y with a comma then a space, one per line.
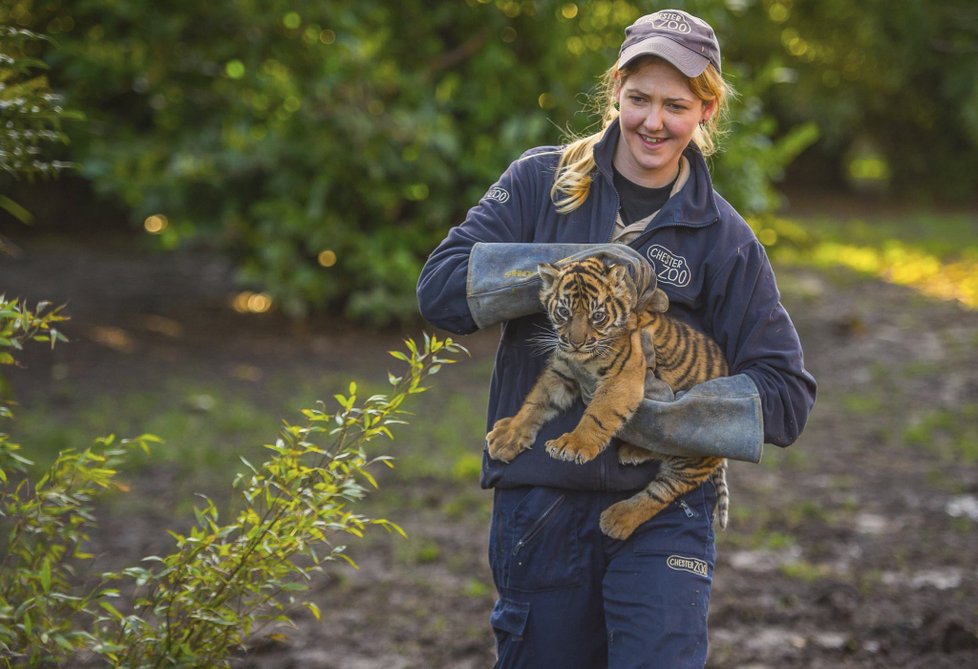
603, 349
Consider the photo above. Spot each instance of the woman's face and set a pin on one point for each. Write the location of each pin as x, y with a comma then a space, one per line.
658, 115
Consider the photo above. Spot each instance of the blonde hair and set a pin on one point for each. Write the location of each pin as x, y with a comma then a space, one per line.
573, 181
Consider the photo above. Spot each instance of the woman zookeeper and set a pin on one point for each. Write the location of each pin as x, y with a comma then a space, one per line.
638, 192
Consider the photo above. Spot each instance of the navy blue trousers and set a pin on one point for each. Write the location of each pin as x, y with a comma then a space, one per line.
572, 598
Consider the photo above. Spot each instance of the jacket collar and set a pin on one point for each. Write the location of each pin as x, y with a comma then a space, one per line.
694, 206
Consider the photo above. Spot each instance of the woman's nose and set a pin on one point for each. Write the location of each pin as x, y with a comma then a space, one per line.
653, 120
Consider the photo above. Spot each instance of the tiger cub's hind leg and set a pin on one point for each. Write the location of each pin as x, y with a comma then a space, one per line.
676, 477
621, 519
629, 454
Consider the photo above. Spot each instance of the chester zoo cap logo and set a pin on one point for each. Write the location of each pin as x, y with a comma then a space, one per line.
682, 39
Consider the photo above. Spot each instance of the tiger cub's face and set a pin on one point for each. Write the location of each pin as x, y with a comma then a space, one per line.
589, 304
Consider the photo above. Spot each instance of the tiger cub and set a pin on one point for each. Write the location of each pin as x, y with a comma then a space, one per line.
603, 350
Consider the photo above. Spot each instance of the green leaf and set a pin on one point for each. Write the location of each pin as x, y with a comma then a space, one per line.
294, 587
16, 210
114, 612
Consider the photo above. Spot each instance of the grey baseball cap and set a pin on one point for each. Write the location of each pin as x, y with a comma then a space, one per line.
680, 38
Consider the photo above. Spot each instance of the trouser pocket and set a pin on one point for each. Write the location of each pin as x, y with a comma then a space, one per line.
533, 541
508, 622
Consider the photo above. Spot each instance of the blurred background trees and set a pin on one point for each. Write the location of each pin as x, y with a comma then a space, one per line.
31, 116
327, 146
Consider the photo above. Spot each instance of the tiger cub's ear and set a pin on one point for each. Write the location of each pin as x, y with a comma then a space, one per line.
621, 280
659, 302
548, 274
618, 275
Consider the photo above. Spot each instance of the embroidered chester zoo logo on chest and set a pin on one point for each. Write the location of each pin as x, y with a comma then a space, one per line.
669, 267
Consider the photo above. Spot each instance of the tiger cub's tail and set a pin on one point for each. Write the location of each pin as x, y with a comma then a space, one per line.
722, 511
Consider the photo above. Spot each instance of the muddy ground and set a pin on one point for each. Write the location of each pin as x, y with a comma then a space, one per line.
857, 547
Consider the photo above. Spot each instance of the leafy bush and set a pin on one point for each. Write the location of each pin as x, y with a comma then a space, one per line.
891, 86
328, 147
30, 116
224, 581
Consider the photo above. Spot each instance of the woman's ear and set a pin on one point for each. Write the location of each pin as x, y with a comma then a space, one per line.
709, 109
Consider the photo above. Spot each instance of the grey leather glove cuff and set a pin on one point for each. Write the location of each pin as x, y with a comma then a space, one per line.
503, 283
721, 417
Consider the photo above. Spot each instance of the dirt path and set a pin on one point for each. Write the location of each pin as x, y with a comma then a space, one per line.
854, 548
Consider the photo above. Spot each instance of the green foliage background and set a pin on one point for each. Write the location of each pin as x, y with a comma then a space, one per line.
277, 130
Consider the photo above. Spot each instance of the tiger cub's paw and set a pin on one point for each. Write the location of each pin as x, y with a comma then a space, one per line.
569, 448
507, 439
619, 520
633, 455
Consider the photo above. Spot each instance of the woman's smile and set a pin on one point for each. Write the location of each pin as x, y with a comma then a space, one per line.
652, 142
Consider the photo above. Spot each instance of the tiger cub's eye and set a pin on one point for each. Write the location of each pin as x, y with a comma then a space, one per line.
563, 313
598, 317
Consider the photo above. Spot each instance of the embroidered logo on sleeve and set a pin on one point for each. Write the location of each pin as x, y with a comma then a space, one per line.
669, 267
692, 565
498, 194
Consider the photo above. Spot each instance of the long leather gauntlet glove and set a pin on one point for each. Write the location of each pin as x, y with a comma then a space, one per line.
720, 417
503, 282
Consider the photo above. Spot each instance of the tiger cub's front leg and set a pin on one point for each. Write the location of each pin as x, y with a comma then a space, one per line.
616, 399
552, 393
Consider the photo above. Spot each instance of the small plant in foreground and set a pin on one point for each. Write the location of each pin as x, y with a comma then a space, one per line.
224, 581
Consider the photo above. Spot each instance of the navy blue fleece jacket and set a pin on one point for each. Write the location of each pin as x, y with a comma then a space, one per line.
711, 265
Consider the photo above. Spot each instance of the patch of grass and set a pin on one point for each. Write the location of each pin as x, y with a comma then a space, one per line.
477, 589
804, 571
807, 510
417, 550
794, 457
444, 440
207, 428
963, 526
952, 434
934, 254
469, 502
863, 403
763, 538
944, 236
204, 430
